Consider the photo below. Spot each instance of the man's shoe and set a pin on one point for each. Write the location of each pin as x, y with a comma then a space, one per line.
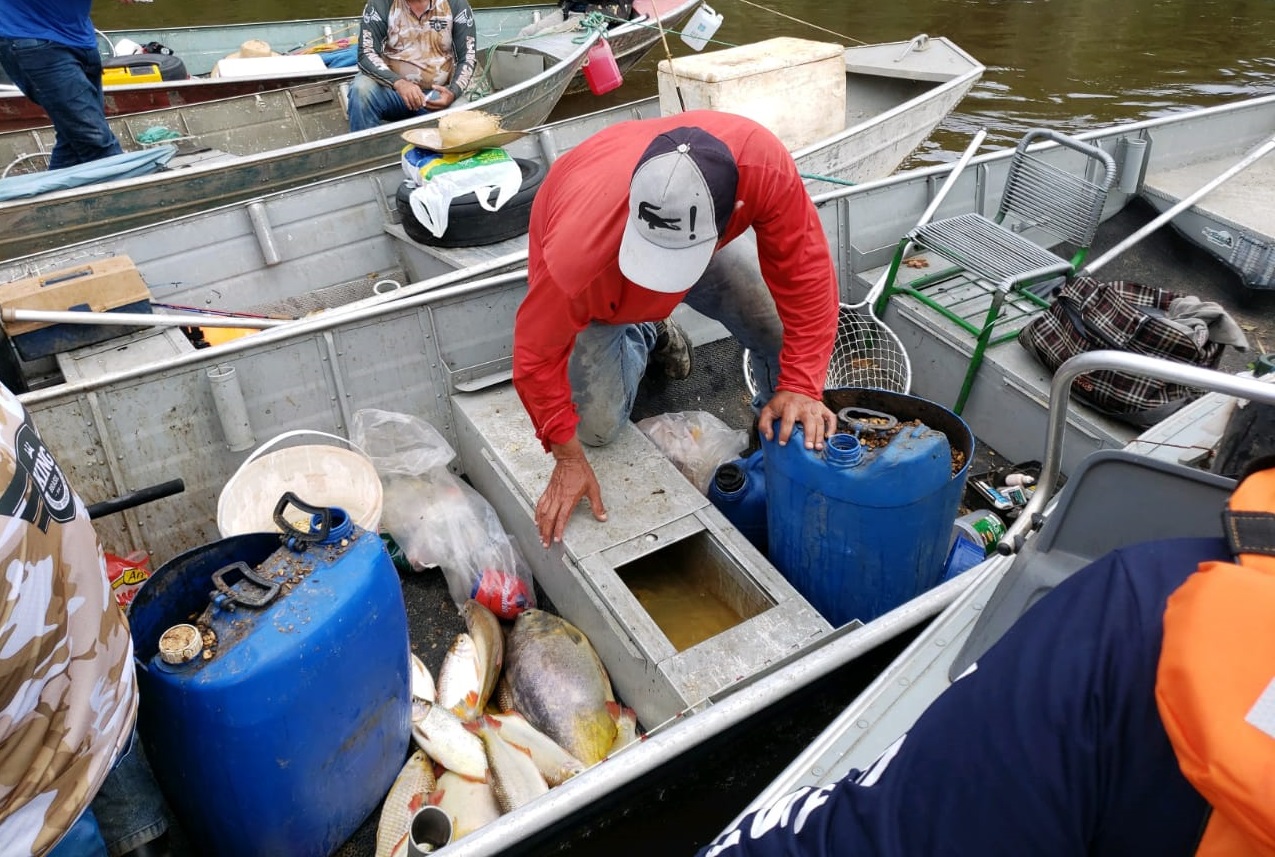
673, 350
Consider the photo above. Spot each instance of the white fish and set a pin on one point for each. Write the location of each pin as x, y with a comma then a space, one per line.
422, 681
489, 641
470, 803
460, 680
411, 789
444, 737
514, 777
626, 728
555, 764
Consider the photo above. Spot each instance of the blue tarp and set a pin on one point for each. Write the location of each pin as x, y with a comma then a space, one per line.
122, 166
341, 57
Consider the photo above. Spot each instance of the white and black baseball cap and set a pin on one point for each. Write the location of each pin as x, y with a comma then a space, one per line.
680, 200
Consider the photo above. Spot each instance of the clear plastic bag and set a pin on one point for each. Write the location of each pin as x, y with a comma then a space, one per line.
696, 442
439, 520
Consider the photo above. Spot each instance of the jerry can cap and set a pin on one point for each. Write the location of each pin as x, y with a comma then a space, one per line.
180, 644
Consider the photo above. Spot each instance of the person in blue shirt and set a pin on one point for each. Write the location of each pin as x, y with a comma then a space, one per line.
1051, 745
49, 50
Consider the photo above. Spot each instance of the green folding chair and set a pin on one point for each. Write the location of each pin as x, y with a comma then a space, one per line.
988, 266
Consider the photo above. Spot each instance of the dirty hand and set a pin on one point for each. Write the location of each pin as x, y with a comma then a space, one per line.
817, 422
442, 97
572, 478
411, 94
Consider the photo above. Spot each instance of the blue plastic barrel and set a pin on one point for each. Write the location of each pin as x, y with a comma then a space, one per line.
859, 529
290, 734
738, 489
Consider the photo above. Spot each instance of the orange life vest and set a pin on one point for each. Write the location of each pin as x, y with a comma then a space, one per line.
1215, 685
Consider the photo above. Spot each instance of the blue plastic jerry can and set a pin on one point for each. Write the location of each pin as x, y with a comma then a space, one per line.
274, 680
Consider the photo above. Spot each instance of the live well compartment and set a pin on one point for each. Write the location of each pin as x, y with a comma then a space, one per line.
291, 733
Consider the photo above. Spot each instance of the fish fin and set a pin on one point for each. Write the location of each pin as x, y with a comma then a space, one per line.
435, 797
475, 726
492, 722
615, 709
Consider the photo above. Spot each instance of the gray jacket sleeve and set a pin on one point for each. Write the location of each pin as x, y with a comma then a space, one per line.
465, 45
373, 30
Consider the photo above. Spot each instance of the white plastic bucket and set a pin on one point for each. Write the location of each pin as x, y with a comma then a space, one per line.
701, 27
321, 475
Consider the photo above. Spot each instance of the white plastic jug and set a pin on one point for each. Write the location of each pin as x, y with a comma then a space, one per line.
701, 27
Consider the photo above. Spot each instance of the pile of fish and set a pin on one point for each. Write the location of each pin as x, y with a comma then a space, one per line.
517, 709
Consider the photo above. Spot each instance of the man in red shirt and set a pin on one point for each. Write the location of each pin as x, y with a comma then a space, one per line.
702, 207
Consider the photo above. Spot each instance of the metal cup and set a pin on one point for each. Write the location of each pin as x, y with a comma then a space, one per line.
431, 829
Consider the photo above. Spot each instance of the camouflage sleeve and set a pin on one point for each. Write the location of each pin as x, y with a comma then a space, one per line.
465, 46
373, 30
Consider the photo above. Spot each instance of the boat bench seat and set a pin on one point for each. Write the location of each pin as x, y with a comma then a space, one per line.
656, 519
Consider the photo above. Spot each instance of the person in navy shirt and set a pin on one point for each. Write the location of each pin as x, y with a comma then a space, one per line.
49, 50
1051, 745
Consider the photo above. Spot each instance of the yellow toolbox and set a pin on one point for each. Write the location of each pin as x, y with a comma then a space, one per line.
128, 74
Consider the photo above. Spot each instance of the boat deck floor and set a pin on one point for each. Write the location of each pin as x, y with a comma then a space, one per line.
1247, 201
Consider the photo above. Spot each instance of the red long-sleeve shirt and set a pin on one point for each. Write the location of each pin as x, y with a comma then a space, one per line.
577, 220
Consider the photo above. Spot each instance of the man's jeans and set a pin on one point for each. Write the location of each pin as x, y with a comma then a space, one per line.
129, 807
372, 104
608, 360
67, 82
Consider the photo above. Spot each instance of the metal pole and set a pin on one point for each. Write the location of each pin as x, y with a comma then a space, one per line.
1183, 204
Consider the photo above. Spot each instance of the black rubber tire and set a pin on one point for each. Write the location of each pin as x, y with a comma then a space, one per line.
468, 223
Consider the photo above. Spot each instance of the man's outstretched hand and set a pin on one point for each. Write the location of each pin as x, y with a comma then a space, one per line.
572, 478
817, 422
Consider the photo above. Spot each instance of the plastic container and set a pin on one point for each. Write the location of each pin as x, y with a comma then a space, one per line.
962, 556
320, 474
287, 731
859, 531
601, 71
701, 27
738, 489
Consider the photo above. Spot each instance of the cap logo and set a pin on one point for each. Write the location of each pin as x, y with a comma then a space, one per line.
647, 213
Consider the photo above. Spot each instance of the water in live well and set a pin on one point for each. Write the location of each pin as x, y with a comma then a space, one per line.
685, 604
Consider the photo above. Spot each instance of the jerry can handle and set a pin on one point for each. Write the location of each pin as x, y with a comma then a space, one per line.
294, 536
263, 594
864, 419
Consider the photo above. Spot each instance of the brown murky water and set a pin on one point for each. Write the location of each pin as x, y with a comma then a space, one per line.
1066, 64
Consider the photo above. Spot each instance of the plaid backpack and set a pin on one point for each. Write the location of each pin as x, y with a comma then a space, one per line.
1088, 315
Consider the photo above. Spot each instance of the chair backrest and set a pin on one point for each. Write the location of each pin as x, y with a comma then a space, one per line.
1043, 196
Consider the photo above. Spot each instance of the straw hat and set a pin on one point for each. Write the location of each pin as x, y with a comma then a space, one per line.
462, 131
252, 49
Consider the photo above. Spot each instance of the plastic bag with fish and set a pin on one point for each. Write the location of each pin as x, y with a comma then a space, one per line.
439, 520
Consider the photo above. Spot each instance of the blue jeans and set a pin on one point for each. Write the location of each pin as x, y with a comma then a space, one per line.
84, 839
129, 807
67, 82
608, 360
372, 103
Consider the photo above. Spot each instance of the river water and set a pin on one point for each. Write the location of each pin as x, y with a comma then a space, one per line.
1065, 64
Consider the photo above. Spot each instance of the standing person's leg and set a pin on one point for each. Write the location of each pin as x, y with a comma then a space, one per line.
733, 292
372, 104
67, 83
606, 367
